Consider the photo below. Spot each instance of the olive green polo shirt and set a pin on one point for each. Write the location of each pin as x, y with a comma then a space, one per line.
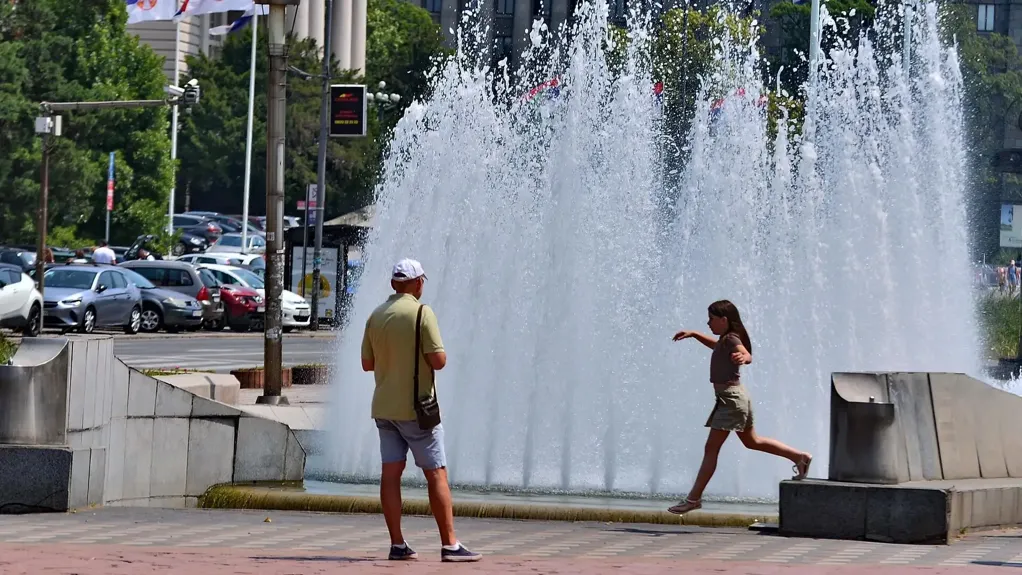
389, 341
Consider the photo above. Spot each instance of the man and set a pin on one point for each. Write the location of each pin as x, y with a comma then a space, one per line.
388, 350
1012, 278
103, 254
143, 254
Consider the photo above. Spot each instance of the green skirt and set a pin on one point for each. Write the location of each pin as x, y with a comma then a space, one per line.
732, 409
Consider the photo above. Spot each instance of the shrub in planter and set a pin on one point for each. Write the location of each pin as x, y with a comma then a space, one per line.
253, 377
310, 374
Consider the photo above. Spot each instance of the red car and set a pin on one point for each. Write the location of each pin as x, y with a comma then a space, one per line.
243, 307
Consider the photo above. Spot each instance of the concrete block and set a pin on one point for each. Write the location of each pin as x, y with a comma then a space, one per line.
97, 476
114, 490
809, 509
312, 440
85, 438
859, 387
955, 426
138, 457
210, 454
34, 478
202, 407
79, 372
1011, 437
294, 459
168, 474
80, 461
293, 416
317, 416
89, 396
222, 387
263, 411
141, 395
913, 408
119, 390
171, 401
907, 515
106, 358
986, 415
260, 449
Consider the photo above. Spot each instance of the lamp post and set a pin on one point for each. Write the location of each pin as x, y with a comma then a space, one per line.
276, 96
46, 126
382, 101
324, 135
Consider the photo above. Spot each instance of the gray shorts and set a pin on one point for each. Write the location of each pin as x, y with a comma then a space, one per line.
396, 437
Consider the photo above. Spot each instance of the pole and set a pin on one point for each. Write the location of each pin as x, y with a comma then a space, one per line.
275, 130
305, 240
173, 127
324, 135
814, 40
42, 216
109, 196
248, 134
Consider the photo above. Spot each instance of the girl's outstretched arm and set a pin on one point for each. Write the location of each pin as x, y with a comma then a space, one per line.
702, 338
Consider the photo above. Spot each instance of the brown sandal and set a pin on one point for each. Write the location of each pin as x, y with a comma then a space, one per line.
801, 468
685, 506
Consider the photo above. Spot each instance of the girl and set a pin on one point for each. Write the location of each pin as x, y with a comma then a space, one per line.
733, 410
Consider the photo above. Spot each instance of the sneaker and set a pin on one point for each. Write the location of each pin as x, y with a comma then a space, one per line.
405, 553
460, 555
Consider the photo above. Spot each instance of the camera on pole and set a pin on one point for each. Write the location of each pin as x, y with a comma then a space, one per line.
192, 93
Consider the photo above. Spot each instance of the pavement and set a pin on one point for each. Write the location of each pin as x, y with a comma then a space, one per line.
136, 540
219, 352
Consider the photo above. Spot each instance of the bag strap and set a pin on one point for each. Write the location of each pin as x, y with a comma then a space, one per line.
418, 348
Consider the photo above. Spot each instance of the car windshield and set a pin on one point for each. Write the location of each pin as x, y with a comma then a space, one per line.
233, 241
253, 281
138, 279
75, 279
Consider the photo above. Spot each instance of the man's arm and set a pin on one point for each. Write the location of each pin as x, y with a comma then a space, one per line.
368, 358
432, 345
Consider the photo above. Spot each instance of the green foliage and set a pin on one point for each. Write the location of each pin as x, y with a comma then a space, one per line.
162, 242
7, 349
401, 41
66, 237
52, 50
1000, 321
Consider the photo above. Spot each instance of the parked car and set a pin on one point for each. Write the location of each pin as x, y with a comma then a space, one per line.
294, 307
21, 305
165, 309
244, 308
199, 226
229, 224
231, 244
183, 278
24, 259
87, 296
211, 258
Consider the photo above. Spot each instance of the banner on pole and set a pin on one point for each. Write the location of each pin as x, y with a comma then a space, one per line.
347, 110
110, 185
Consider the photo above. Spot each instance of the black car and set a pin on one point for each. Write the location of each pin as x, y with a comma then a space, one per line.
198, 226
165, 309
24, 259
186, 244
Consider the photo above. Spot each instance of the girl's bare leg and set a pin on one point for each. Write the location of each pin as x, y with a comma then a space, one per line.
713, 444
774, 447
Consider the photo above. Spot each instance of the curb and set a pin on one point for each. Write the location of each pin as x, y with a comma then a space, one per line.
256, 497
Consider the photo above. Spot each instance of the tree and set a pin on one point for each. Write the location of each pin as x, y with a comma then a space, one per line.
51, 50
401, 42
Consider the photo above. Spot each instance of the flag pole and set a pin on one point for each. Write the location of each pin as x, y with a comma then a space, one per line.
248, 134
173, 127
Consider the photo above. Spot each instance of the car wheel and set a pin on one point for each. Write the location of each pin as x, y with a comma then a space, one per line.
150, 320
178, 249
288, 329
215, 325
35, 322
134, 321
88, 323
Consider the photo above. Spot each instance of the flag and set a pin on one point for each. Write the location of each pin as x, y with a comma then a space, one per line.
240, 23
551, 87
150, 10
197, 7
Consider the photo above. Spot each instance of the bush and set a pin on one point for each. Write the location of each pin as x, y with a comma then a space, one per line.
1000, 320
7, 349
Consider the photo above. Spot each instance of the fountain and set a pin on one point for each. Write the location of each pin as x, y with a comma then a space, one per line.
561, 258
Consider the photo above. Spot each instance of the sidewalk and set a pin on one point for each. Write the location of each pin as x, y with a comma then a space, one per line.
190, 542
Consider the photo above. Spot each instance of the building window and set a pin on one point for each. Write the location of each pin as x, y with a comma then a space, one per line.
503, 46
505, 7
433, 6
985, 18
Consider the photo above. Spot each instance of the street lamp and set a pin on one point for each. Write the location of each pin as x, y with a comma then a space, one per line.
276, 110
382, 100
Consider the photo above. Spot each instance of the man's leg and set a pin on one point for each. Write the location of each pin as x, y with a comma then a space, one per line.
440, 503
393, 451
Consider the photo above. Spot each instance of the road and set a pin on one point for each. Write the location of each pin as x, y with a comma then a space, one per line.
117, 540
220, 352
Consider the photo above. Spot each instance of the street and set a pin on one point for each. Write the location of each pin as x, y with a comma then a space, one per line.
219, 352
138, 540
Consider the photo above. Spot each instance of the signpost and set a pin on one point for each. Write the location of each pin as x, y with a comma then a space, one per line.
348, 110
109, 195
310, 202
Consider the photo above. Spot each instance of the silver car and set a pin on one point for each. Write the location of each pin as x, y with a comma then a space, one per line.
87, 296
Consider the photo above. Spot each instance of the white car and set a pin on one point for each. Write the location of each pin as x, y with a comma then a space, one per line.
208, 258
21, 304
296, 310
231, 244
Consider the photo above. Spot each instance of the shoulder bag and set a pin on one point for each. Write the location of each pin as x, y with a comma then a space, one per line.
427, 410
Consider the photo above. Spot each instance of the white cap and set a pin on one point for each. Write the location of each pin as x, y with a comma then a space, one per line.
407, 269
